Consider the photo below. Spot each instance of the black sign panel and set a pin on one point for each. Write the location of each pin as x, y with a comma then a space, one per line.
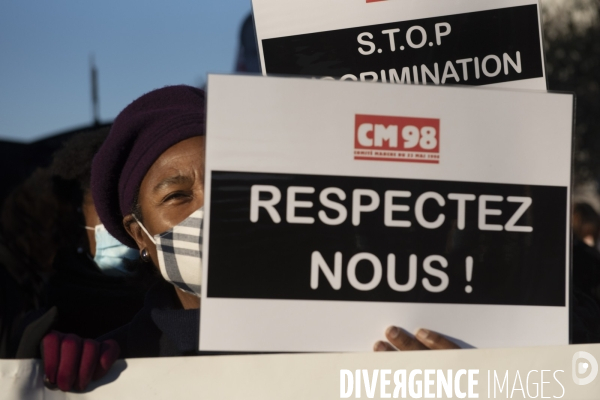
476, 48
281, 236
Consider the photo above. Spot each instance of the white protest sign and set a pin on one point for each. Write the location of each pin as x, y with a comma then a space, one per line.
333, 210
563, 372
466, 42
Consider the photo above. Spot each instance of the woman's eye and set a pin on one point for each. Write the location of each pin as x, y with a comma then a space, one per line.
175, 196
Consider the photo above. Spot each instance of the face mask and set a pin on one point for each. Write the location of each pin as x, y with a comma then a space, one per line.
112, 257
180, 252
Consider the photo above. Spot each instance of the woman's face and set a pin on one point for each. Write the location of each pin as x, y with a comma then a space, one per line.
171, 191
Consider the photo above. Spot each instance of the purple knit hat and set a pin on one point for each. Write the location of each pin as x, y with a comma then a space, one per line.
140, 134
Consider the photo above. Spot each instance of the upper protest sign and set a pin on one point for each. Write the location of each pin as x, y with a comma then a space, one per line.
333, 210
466, 42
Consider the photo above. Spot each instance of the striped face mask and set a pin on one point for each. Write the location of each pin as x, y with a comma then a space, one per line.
180, 252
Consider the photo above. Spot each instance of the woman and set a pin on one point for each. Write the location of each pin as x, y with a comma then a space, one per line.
148, 187
96, 285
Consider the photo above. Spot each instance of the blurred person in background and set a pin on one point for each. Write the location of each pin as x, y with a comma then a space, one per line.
84, 281
585, 316
586, 258
98, 283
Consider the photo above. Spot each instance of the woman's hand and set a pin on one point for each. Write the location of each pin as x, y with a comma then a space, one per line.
71, 363
399, 339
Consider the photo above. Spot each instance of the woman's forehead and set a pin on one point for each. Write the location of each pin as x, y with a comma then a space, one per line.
181, 162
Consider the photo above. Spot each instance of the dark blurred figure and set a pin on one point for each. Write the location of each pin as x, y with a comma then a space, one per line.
586, 258
92, 285
59, 267
247, 60
30, 233
586, 275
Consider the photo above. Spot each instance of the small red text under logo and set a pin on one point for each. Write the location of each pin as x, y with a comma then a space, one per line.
405, 139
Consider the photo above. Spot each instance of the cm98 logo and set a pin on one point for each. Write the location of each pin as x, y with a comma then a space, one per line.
385, 138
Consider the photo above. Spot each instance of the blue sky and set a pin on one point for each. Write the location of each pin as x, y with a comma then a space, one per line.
45, 49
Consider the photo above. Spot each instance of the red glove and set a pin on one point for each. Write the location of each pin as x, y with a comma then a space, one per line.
71, 362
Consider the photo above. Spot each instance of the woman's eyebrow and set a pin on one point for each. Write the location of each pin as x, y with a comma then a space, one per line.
173, 180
